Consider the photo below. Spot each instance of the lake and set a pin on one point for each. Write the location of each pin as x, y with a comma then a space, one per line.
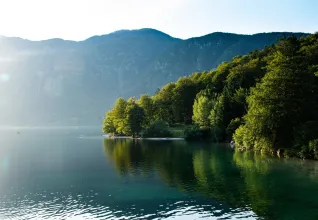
75, 173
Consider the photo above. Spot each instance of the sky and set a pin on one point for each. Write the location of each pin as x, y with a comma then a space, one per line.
80, 19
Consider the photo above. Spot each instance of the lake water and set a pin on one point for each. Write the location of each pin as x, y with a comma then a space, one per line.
77, 174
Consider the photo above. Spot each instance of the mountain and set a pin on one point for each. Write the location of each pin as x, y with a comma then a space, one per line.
59, 82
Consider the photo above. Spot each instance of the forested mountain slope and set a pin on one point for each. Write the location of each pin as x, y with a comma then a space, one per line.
266, 101
58, 82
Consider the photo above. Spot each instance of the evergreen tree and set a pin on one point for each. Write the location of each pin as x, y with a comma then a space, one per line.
282, 101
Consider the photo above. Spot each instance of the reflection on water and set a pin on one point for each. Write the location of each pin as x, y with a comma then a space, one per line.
76, 174
271, 188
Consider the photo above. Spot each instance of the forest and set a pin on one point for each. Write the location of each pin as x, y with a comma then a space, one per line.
265, 101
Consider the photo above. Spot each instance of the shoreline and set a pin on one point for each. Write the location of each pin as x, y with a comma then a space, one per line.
140, 138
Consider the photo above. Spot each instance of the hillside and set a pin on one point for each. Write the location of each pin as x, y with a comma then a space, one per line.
266, 101
58, 82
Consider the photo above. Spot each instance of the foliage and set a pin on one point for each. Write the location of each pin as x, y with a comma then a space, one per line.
266, 101
283, 100
135, 116
147, 103
313, 148
183, 98
157, 129
195, 132
126, 118
201, 110
119, 115
95, 72
205, 132
192, 133
234, 124
108, 125
163, 104
177, 130
305, 140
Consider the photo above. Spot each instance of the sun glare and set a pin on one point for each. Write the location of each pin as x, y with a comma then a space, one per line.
4, 77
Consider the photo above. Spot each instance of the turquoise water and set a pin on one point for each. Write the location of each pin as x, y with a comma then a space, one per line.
77, 174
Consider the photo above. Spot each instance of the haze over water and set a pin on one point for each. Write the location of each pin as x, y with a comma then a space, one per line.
77, 174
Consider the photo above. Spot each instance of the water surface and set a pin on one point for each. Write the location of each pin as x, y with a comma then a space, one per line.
77, 174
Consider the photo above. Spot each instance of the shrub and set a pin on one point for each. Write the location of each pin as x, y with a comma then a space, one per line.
243, 137
306, 142
205, 132
158, 129
309, 150
193, 133
196, 133
230, 130
217, 134
313, 148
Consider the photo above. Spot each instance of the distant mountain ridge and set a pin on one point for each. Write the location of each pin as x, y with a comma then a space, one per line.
58, 82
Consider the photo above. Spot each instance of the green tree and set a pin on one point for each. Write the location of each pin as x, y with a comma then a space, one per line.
146, 102
246, 73
219, 115
134, 120
157, 129
234, 124
219, 77
108, 124
163, 104
201, 110
183, 99
281, 102
119, 114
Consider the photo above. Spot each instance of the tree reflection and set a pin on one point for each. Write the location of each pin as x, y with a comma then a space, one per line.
241, 179
193, 169
127, 155
254, 169
217, 177
172, 161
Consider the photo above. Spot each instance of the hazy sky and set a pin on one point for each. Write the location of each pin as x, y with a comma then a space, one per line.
80, 19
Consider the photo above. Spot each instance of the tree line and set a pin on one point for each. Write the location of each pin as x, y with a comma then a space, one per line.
266, 101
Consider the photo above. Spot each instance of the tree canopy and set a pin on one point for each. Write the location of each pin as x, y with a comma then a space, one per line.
266, 100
